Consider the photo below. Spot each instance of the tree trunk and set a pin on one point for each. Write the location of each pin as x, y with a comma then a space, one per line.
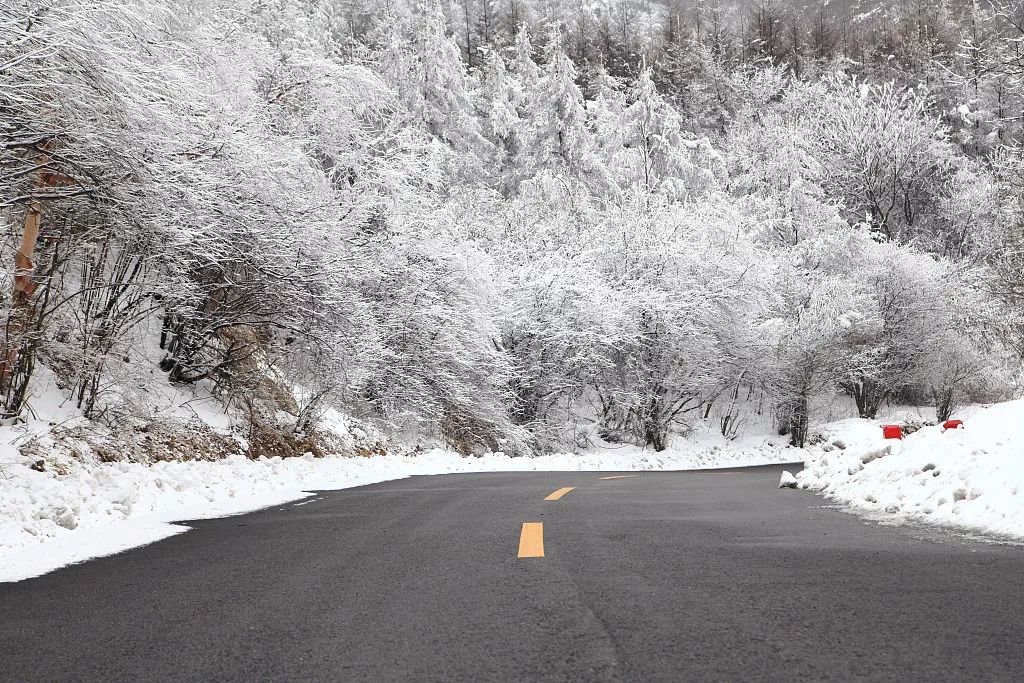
16, 360
868, 395
655, 434
20, 316
944, 403
799, 422
655, 426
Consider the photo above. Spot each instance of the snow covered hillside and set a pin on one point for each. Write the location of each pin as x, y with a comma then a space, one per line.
970, 478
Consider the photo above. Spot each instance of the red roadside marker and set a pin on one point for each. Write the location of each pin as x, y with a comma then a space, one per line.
892, 432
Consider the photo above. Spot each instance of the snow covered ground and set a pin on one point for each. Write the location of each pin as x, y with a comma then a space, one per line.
970, 478
50, 519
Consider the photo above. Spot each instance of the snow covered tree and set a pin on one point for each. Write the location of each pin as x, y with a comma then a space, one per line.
559, 326
885, 156
660, 158
523, 67
497, 97
422, 64
670, 360
893, 343
438, 363
809, 334
557, 140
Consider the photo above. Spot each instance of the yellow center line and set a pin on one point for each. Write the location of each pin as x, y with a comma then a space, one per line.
531, 540
618, 476
559, 493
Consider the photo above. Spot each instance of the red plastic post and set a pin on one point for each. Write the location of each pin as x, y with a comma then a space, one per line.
952, 424
892, 432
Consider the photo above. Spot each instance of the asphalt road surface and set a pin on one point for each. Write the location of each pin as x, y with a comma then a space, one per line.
656, 576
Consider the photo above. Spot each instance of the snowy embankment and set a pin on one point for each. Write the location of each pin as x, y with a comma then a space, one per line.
53, 518
970, 478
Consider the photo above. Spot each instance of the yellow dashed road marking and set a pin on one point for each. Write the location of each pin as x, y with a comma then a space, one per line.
559, 493
531, 540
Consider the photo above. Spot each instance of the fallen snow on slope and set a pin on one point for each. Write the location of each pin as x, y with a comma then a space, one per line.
50, 519
971, 478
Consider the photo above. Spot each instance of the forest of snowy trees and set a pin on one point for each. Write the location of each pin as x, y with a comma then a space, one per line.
513, 224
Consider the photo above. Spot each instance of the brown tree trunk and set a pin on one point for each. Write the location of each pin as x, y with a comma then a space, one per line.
20, 315
13, 358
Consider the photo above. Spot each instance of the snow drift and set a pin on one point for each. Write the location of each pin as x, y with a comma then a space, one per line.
971, 478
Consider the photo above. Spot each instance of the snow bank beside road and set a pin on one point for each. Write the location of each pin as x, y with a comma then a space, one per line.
50, 519
970, 478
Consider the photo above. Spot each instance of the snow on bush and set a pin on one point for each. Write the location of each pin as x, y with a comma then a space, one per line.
970, 478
